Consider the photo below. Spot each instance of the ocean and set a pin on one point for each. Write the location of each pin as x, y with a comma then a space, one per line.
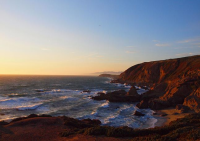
63, 95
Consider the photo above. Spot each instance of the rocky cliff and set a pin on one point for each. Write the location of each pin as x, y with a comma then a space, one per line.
172, 82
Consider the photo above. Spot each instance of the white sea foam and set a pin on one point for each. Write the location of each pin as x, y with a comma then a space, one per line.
29, 107
94, 113
15, 103
71, 102
141, 91
105, 105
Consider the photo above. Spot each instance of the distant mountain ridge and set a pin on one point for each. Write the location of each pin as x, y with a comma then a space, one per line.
109, 75
172, 82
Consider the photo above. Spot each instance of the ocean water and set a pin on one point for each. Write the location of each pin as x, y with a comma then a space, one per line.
63, 95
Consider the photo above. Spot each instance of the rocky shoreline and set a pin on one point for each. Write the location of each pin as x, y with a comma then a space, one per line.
45, 127
173, 83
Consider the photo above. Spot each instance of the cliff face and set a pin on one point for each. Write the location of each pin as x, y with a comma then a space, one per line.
174, 81
162, 71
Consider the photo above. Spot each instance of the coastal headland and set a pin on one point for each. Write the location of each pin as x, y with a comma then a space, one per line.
172, 91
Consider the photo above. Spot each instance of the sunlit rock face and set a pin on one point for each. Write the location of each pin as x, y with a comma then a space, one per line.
172, 82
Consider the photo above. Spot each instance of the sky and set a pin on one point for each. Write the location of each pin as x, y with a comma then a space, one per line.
83, 37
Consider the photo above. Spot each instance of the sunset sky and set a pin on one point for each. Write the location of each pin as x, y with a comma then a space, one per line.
81, 37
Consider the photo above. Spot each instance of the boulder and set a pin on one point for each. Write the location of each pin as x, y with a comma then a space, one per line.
157, 104
136, 113
193, 100
143, 104
117, 96
182, 109
132, 92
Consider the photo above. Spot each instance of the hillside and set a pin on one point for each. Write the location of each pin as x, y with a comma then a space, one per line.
162, 71
172, 82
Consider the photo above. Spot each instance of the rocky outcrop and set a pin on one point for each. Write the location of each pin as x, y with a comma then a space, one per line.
172, 82
132, 92
182, 108
193, 100
119, 96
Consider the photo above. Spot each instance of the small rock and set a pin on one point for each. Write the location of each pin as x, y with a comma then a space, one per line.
163, 115
86, 91
39, 90
138, 113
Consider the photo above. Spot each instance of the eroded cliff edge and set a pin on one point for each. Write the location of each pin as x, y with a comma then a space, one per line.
171, 82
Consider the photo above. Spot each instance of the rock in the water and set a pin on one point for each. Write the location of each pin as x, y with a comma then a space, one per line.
132, 92
86, 91
155, 113
138, 113
117, 96
143, 104
39, 90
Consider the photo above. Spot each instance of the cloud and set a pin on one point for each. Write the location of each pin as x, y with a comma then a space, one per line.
189, 40
186, 54
130, 52
162, 45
